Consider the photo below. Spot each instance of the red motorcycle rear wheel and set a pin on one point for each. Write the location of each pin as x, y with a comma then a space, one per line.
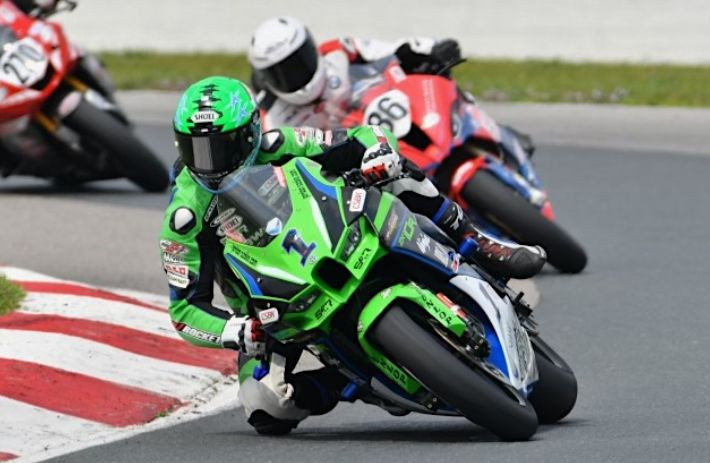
523, 222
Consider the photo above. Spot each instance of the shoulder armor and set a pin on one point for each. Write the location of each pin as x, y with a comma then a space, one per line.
272, 141
182, 220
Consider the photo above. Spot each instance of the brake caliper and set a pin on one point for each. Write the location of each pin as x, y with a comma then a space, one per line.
475, 341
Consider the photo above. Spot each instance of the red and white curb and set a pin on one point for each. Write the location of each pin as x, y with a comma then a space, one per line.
81, 366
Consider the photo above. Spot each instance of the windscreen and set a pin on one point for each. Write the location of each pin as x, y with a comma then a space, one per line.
367, 75
254, 205
7, 35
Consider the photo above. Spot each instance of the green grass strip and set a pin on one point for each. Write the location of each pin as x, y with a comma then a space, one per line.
10, 296
171, 71
489, 80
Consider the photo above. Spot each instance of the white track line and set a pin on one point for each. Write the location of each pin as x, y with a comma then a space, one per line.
91, 358
20, 274
26, 429
208, 402
101, 310
160, 300
36, 434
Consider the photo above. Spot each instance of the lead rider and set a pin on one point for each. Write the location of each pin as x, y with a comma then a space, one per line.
218, 132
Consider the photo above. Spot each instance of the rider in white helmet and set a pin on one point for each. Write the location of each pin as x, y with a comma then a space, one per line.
301, 84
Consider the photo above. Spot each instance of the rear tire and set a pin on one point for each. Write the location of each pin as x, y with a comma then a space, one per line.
523, 222
133, 159
555, 393
468, 390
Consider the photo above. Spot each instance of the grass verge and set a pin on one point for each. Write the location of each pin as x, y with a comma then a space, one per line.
10, 296
489, 80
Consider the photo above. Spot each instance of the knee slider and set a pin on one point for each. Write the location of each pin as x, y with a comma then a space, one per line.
266, 424
256, 395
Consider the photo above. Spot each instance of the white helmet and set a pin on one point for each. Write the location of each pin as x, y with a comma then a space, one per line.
285, 57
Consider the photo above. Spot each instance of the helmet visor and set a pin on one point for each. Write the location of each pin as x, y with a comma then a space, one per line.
294, 72
217, 154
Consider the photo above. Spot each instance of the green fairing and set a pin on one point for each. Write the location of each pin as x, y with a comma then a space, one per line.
205, 329
378, 304
309, 226
303, 254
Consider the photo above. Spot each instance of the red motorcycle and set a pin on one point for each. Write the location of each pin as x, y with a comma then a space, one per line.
58, 115
484, 166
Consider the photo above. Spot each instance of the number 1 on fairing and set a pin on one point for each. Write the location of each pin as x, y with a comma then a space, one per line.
295, 242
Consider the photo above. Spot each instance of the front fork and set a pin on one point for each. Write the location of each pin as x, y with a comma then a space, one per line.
65, 101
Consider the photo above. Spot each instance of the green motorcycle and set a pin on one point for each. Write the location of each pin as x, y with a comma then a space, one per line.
352, 275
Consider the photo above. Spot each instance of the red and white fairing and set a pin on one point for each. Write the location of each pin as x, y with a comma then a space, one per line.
33, 64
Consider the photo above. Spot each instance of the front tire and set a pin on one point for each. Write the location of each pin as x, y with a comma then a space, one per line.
477, 397
555, 393
133, 159
523, 221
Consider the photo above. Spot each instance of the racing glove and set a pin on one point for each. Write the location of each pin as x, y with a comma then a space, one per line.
244, 334
380, 163
419, 56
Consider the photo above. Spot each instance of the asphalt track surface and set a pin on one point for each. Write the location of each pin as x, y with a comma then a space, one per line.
633, 326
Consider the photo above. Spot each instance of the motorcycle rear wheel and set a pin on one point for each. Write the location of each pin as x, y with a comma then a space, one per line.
470, 391
555, 393
523, 222
133, 159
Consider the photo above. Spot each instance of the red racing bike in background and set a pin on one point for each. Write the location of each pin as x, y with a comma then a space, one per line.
58, 115
484, 166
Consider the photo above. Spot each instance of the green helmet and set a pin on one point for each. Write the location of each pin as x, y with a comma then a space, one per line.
217, 127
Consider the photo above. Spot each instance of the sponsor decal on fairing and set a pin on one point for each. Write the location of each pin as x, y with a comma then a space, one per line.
357, 200
423, 242
391, 225
269, 316
274, 226
441, 254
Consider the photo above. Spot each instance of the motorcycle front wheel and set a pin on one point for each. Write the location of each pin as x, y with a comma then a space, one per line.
523, 222
470, 391
132, 158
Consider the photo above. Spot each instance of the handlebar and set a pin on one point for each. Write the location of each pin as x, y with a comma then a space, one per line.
449, 66
354, 178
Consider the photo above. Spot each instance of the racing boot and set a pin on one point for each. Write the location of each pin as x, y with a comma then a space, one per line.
318, 391
503, 259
